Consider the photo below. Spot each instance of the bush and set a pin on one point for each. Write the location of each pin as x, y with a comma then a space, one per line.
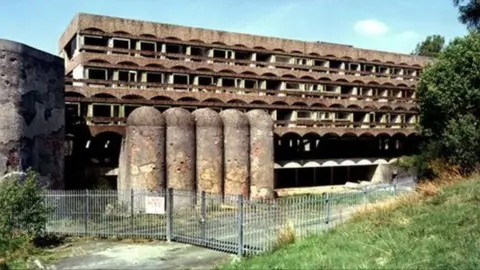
23, 213
448, 97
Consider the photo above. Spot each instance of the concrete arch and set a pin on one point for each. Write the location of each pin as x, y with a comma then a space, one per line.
133, 96
385, 107
188, 99
196, 41
93, 29
365, 135
180, 68
331, 134
172, 38
311, 135
318, 105
100, 61
249, 73
349, 134
127, 63
103, 95
307, 77
122, 33
236, 101
269, 74
259, 102
288, 75
354, 106
400, 108
218, 43
280, 103
204, 70
148, 36
336, 105
162, 98
278, 50
75, 93
216, 100
298, 103
227, 71
154, 65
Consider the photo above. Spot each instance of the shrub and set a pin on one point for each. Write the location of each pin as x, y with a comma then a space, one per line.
23, 213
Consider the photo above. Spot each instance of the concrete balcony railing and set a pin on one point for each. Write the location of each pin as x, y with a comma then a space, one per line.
242, 62
163, 88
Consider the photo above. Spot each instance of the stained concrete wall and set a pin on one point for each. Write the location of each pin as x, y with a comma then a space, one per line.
236, 152
262, 178
209, 150
32, 112
180, 149
144, 151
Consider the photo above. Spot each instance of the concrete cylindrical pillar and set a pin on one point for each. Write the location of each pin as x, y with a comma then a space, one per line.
261, 154
123, 161
145, 150
180, 149
32, 113
209, 148
236, 152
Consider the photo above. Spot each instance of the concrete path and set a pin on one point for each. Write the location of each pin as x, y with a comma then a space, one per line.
117, 255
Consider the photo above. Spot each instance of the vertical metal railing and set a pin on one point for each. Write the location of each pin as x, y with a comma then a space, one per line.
223, 222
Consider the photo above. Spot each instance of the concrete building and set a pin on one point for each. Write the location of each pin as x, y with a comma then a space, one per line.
341, 113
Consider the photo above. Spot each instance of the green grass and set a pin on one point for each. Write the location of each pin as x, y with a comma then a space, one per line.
440, 232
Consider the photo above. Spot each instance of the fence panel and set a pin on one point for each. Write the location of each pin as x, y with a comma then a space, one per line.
227, 223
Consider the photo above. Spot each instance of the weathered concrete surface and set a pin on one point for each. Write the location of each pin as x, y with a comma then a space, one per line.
144, 150
123, 161
180, 149
236, 152
262, 177
118, 255
32, 117
209, 148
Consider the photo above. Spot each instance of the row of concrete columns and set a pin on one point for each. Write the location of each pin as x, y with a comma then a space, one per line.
227, 153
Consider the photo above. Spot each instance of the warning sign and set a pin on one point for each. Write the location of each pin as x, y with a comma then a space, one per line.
155, 205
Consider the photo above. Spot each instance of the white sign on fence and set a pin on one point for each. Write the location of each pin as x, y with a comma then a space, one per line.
155, 205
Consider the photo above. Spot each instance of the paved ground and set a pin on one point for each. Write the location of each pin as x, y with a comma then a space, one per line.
119, 255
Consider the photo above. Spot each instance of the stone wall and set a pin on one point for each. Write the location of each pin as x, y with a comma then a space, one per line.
204, 151
32, 117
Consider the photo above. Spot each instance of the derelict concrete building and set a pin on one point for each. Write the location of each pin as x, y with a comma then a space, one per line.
340, 113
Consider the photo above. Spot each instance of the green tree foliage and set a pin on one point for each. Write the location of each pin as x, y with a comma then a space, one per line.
449, 101
469, 12
23, 212
432, 46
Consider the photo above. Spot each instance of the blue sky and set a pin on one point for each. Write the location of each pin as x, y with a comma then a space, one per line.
389, 25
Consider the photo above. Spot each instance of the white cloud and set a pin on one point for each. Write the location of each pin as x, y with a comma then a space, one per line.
371, 27
408, 35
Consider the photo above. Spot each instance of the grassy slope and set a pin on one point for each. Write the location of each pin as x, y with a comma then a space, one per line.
439, 232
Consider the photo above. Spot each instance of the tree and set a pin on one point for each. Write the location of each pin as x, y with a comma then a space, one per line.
469, 12
432, 46
449, 101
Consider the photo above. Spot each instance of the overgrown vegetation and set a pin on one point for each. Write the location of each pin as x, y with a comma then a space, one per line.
449, 101
23, 216
436, 228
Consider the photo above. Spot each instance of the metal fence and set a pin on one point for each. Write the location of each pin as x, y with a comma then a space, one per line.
227, 223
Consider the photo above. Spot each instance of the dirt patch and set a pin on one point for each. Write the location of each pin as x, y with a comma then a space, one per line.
95, 254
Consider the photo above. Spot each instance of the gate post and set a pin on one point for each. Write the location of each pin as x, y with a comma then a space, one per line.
169, 197
204, 217
240, 225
